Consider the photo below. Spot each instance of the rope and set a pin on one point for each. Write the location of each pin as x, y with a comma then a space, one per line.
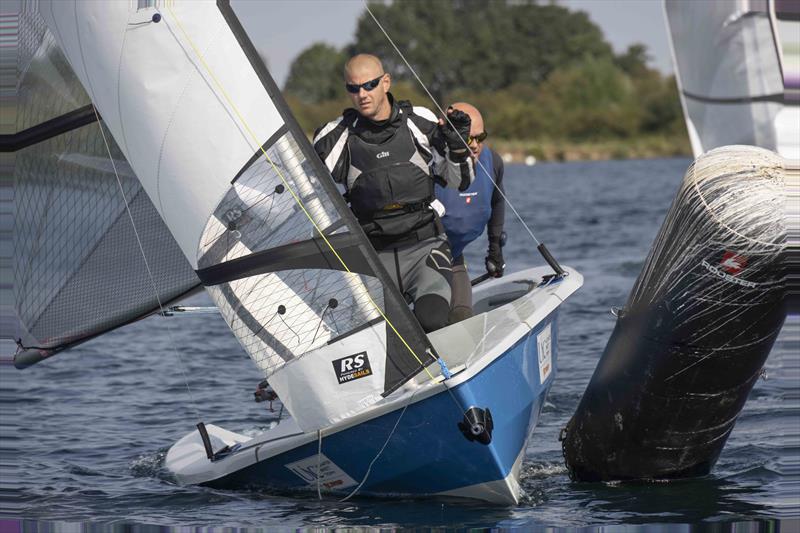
386, 443
147, 266
275, 168
447, 118
319, 461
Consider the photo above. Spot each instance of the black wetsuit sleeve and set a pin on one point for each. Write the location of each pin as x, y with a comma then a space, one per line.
330, 143
497, 220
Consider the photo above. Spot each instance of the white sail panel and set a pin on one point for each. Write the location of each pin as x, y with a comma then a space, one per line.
728, 71
786, 22
162, 105
311, 391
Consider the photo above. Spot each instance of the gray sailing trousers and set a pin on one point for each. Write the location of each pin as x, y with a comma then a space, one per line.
423, 271
461, 300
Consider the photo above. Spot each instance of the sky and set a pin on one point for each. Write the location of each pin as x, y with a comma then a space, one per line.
281, 29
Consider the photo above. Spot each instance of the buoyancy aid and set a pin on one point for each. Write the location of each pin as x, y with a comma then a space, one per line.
390, 187
468, 212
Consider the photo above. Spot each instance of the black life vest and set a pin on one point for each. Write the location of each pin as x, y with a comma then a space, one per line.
389, 184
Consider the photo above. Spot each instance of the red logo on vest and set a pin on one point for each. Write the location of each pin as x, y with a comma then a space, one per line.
732, 263
469, 199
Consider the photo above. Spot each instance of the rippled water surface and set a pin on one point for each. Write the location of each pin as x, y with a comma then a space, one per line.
84, 434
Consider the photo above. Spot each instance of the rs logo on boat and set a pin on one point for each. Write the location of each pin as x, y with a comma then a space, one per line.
352, 367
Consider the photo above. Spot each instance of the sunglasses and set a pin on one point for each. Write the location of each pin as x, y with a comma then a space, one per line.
367, 85
479, 138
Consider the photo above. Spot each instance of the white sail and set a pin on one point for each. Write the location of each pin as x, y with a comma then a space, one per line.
239, 187
729, 63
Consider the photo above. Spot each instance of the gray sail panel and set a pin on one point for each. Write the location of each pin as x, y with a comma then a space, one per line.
45, 87
71, 255
77, 266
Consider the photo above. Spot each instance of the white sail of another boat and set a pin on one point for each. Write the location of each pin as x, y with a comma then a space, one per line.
738, 70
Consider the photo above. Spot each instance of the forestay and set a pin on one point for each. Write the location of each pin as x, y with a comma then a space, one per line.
72, 268
736, 64
253, 209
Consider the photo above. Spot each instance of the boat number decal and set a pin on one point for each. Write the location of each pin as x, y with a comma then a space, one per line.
319, 467
352, 367
544, 344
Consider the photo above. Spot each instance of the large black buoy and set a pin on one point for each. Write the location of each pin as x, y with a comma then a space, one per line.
696, 330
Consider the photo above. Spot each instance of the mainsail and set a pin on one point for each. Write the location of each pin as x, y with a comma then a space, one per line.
737, 65
254, 211
72, 267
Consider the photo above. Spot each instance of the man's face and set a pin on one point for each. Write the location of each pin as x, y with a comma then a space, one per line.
370, 103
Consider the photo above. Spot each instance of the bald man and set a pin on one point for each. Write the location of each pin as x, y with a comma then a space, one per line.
469, 211
387, 154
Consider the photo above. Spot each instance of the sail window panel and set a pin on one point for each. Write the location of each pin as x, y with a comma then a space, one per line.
289, 310
261, 211
45, 85
61, 212
282, 315
77, 268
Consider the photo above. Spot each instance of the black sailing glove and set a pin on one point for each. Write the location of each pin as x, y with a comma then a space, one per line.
495, 265
456, 139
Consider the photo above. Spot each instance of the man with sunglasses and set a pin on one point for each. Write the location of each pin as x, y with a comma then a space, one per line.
469, 211
387, 154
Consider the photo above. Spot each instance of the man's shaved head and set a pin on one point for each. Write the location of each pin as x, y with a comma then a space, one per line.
362, 65
476, 127
371, 101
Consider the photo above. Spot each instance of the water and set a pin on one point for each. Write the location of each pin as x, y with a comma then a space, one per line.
84, 435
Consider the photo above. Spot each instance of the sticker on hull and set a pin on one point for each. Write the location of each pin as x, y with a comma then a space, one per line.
320, 467
544, 344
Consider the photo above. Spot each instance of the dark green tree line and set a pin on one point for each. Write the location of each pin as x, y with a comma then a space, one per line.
535, 70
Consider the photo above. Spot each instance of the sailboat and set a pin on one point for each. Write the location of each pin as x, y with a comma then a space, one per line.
151, 133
